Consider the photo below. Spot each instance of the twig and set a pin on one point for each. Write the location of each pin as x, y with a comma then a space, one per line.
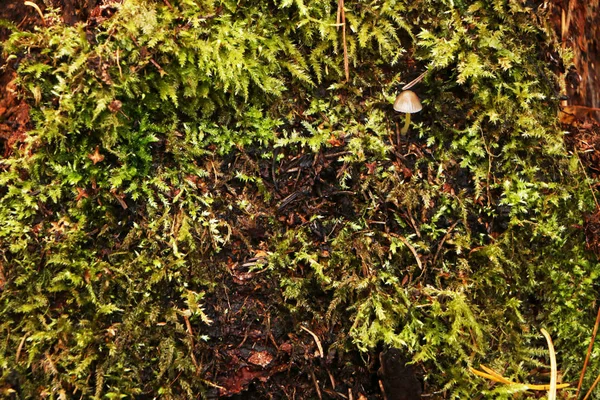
342, 13
314, 378
168, 4
212, 384
20, 348
161, 71
589, 351
317, 341
333, 385
410, 247
119, 66
270, 334
191, 333
37, 8
437, 253
592, 388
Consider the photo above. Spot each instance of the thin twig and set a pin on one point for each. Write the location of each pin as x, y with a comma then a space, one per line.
317, 341
314, 378
338, 17
119, 65
587, 356
437, 253
191, 333
346, 62
410, 247
592, 388
20, 348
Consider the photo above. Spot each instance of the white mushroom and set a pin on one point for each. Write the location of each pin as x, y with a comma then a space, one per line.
407, 102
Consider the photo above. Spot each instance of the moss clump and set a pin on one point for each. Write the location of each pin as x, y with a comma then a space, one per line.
170, 141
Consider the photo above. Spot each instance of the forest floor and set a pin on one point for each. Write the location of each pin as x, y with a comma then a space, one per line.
255, 356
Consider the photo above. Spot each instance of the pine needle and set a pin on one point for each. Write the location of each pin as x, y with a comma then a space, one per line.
589, 351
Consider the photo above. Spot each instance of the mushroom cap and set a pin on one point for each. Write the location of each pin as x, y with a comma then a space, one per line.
407, 102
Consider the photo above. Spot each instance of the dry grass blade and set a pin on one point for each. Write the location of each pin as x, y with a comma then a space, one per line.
553, 370
496, 377
589, 351
495, 374
37, 8
346, 62
414, 81
317, 341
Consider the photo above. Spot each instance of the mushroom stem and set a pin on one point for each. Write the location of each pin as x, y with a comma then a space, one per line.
406, 124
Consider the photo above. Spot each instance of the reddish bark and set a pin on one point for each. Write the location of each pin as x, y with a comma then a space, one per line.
576, 22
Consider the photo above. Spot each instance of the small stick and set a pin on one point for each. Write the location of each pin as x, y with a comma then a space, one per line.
587, 356
191, 333
592, 388
317, 341
119, 66
314, 378
20, 348
332, 380
346, 63
410, 247
437, 253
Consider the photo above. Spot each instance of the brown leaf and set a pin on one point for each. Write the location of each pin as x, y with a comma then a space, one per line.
96, 157
262, 358
371, 167
115, 106
81, 194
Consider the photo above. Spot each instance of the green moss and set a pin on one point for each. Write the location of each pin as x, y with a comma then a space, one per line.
455, 246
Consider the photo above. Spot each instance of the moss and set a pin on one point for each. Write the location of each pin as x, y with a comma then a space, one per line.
169, 142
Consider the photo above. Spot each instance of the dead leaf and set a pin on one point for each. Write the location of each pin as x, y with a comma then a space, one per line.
96, 157
115, 106
335, 142
262, 358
